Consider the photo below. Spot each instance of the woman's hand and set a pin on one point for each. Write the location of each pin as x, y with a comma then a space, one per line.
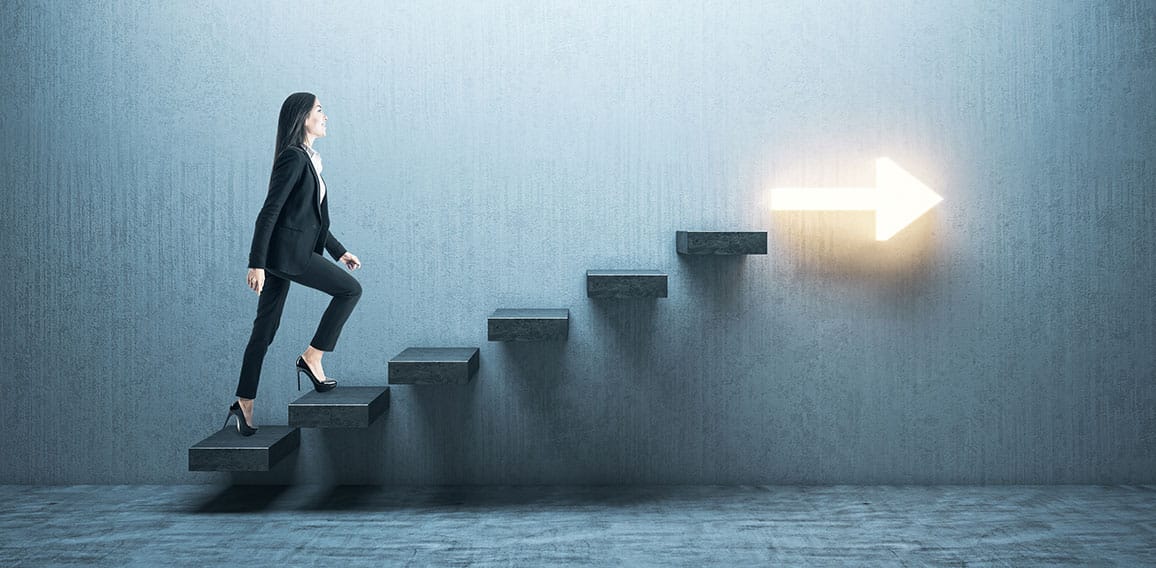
256, 279
350, 260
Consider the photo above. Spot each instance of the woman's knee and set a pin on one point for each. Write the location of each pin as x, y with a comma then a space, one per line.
354, 290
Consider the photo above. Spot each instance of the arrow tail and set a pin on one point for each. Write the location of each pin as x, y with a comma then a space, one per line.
823, 199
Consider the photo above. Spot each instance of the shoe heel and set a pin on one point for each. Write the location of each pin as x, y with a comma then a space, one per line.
243, 428
227, 417
319, 386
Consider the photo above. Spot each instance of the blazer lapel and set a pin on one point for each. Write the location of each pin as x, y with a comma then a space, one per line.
325, 211
316, 185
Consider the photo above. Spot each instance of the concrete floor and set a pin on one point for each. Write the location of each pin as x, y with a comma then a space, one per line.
601, 526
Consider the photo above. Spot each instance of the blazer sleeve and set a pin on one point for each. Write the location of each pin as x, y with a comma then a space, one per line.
286, 171
333, 246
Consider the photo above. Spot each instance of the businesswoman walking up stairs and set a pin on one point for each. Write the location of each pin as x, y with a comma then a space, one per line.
291, 231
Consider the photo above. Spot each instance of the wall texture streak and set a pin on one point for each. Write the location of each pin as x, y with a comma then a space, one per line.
484, 155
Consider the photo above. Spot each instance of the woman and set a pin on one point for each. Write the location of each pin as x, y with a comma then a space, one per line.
291, 231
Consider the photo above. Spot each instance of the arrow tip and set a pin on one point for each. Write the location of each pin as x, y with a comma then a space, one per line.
902, 198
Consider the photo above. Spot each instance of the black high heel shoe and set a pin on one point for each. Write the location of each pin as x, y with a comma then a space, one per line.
242, 426
319, 386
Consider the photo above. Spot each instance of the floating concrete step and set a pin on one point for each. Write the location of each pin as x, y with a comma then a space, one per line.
342, 407
228, 450
625, 284
509, 324
433, 366
721, 242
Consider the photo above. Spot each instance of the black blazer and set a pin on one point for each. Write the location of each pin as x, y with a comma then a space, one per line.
292, 225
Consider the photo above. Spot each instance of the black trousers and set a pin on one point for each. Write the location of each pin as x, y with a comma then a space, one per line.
320, 274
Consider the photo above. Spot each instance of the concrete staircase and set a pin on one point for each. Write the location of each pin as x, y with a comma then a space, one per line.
358, 406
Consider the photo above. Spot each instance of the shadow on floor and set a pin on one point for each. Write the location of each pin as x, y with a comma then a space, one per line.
375, 498
242, 499
264, 498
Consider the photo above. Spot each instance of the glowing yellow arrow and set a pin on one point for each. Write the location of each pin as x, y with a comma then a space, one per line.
897, 199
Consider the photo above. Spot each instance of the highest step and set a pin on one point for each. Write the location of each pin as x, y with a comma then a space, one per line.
625, 284
433, 366
228, 450
509, 324
342, 407
721, 242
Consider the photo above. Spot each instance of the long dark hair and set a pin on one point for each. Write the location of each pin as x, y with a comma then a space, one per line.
291, 123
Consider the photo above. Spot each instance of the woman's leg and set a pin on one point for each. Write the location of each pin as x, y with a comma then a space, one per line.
328, 277
270, 304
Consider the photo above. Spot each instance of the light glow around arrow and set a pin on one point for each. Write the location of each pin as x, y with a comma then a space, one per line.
897, 199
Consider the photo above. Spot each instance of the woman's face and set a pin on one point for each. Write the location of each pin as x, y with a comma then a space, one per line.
315, 120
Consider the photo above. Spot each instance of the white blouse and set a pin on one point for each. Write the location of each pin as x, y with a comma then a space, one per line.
313, 155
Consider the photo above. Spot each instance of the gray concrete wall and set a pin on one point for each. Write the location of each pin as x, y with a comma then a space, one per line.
485, 154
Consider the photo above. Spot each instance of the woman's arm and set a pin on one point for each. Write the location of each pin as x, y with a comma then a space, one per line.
333, 246
286, 171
